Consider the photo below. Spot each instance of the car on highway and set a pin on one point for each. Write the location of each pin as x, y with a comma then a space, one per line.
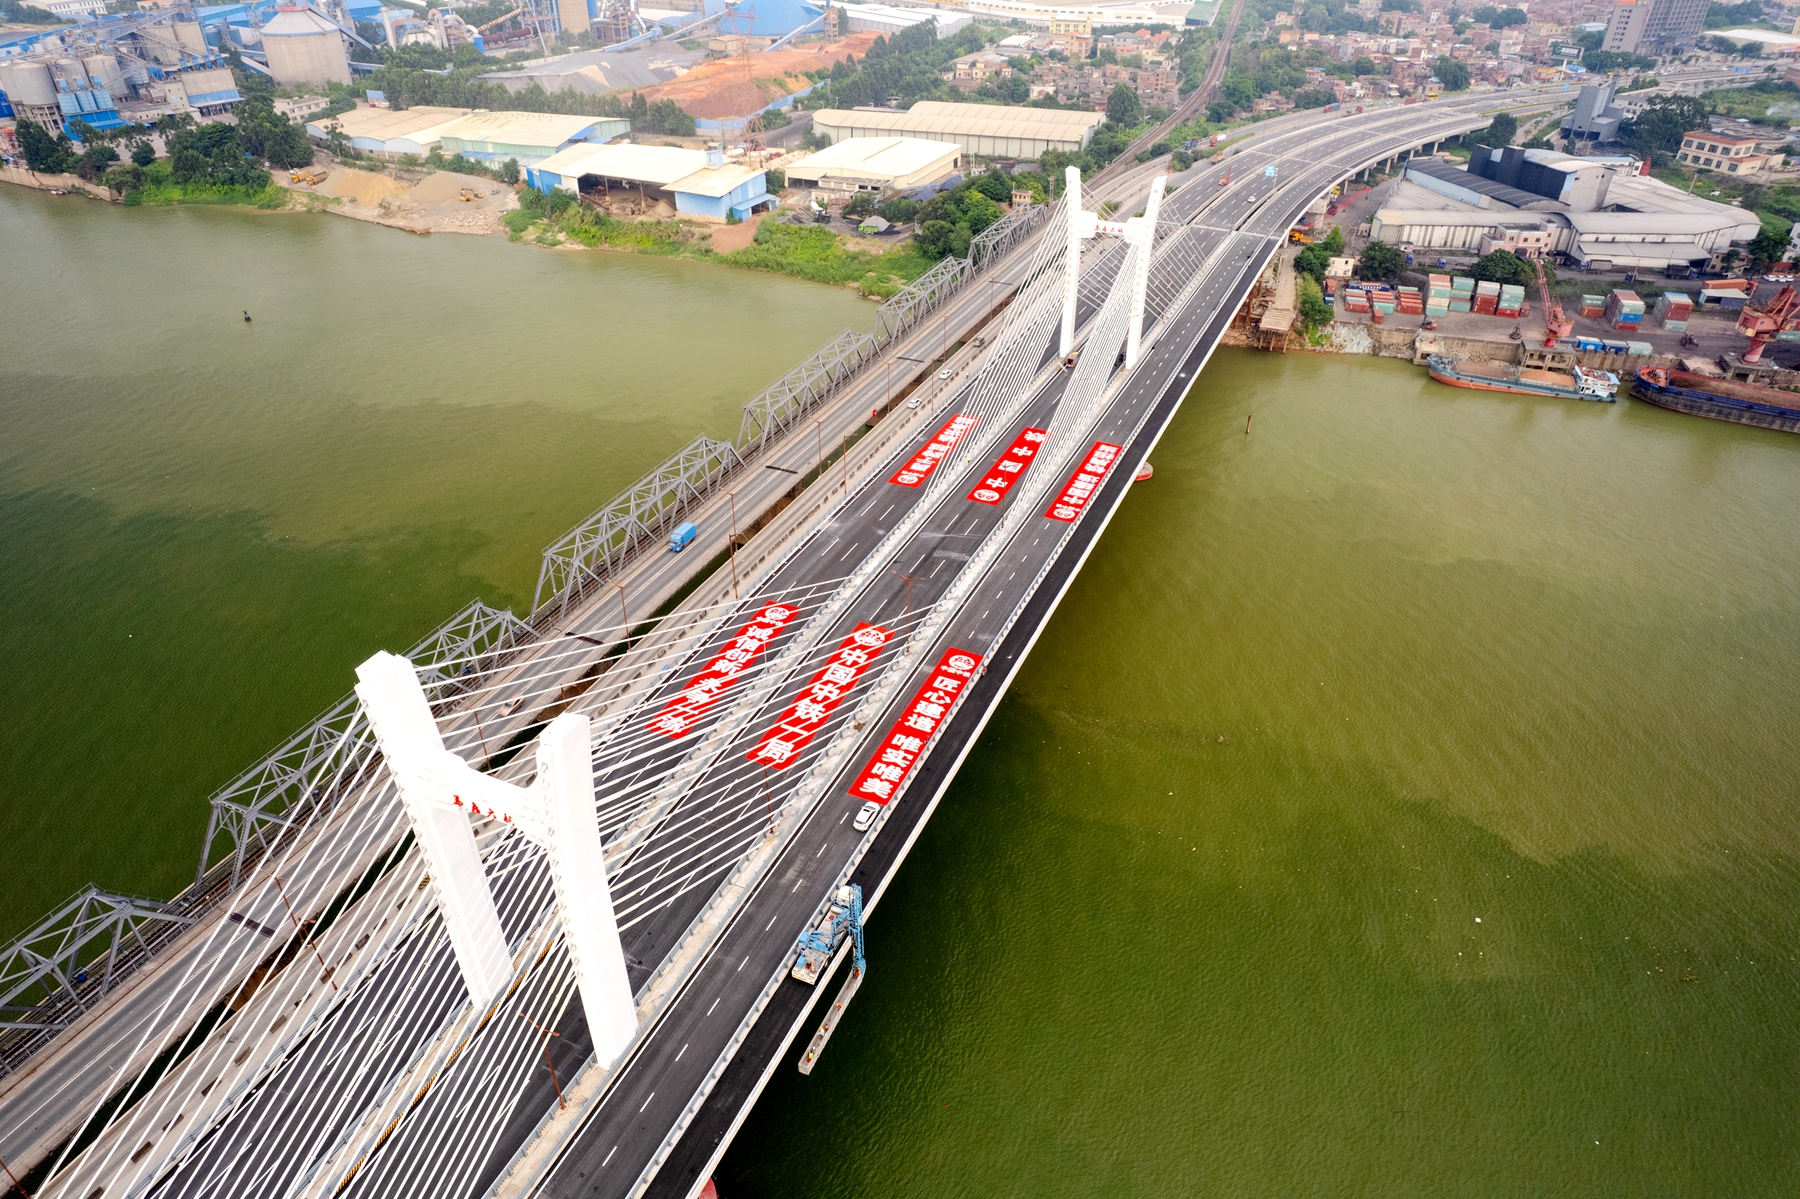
866, 816
945, 373
913, 403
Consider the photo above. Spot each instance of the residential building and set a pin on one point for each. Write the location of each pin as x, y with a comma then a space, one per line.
1727, 153
1625, 29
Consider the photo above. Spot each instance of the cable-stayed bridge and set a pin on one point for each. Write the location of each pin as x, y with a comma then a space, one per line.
523, 919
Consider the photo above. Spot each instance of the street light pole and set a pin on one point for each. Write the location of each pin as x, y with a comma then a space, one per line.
623, 614
819, 442
906, 609
732, 549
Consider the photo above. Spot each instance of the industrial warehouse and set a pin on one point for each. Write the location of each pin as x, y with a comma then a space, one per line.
529, 137
875, 164
661, 181
989, 131
1598, 213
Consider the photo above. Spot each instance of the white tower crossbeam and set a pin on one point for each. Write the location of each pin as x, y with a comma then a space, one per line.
441, 792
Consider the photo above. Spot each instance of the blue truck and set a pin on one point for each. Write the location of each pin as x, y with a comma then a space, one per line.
684, 533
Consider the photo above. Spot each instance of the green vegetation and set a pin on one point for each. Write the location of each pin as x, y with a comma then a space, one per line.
1657, 131
1498, 18
949, 221
1733, 16
1309, 302
805, 252
1452, 74
1500, 132
13, 12
1122, 106
1503, 266
1315, 259
818, 254
1380, 261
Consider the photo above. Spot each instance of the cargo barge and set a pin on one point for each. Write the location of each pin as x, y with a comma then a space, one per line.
1719, 399
1577, 383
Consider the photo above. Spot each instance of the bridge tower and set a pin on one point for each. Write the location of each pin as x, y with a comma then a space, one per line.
440, 793
1142, 233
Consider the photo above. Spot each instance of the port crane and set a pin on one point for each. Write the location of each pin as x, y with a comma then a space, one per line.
1761, 325
1556, 324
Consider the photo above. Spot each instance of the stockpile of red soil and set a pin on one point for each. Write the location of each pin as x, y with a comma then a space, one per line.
747, 83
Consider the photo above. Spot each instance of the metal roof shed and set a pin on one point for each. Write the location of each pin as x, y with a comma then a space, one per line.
525, 135
876, 164
990, 130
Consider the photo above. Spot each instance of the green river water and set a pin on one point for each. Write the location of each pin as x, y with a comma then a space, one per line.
1400, 803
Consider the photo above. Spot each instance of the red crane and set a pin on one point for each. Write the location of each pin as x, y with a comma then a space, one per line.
1555, 323
1761, 325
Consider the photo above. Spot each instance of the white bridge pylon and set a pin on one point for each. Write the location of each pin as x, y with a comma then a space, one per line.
441, 792
1137, 231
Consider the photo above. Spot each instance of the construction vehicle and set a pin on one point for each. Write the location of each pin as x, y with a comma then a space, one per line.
1299, 237
1555, 323
469, 194
1763, 325
843, 917
312, 176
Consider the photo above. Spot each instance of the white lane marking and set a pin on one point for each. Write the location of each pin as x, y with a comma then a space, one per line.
799, 881
821, 850
609, 1154
769, 925
744, 963
647, 1102
683, 1050
709, 1011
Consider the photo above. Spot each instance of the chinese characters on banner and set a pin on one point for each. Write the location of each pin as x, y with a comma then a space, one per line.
934, 451
1012, 464
894, 759
807, 714
683, 712
1083, 483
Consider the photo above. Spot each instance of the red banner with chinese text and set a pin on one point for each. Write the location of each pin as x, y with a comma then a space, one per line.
1011, 466
933, 451
814, 705
683, 713
1084, 482
894, 757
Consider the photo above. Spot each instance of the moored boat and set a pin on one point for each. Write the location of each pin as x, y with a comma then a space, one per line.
1144, 472
1577, 383
1719, 399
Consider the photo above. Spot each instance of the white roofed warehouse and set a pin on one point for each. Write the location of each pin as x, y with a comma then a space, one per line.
988, 130
389, 132
527, 136
875, 164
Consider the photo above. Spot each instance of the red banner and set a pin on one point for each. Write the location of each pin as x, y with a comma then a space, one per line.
1012, 464
683, 712
809, 711
934, 451
1084, 482
895, 757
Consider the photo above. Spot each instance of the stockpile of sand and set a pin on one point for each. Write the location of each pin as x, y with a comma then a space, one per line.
445, 187
362, 187
746, 83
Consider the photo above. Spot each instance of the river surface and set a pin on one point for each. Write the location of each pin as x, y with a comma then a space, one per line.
1402, 801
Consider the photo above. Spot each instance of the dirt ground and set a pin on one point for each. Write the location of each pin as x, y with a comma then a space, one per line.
743, 84
431, 204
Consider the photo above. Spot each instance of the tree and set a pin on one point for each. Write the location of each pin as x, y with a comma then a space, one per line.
1452, 74
508, 172
143, 153
1659, 128
861, 204
95, 160
1313, 261
1310, 302
666, 116
1768, 246
638, 111
1501, 131
43, 152
1122, 107
775, 179
1380, 261
1502, 266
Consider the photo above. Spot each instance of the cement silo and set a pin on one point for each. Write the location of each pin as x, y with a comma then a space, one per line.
305, 49
104, 70
27, 83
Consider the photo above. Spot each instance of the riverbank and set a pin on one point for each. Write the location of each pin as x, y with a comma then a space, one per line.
426, 202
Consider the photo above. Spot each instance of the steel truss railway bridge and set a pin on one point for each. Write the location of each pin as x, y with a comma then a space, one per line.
516, 918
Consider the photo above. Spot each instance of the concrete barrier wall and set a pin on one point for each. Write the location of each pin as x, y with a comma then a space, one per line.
27, 178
